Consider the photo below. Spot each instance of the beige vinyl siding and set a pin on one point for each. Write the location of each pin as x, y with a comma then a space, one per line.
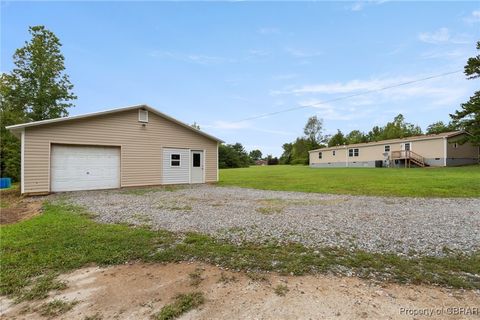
432, 148
141, 147
327, 156
429, 149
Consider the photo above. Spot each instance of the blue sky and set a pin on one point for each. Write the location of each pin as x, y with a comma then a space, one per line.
216, 63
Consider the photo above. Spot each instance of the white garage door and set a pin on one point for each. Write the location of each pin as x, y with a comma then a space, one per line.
84, 168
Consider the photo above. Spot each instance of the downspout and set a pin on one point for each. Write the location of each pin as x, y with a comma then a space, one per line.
22, 161
444, 151
346, 155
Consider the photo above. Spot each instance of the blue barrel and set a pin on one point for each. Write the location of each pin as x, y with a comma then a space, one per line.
5, 183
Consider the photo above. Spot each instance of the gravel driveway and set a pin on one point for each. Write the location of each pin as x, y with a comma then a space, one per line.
377, 224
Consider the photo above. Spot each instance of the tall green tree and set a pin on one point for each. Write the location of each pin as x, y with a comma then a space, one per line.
232, 156
9, 144
313, 131
337, 139
255, 155
286, 157
439, 127
36, 89
42, 90
399, 128
355, 136
468, 117
300, 149
375, 134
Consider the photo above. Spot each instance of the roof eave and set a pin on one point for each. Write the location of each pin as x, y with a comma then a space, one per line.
15, 129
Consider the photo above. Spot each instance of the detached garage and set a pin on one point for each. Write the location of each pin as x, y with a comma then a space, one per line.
124, 147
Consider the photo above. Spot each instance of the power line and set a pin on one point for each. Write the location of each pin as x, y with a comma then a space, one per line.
347, 97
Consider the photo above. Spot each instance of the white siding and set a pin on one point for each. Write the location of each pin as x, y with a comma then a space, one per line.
176, 175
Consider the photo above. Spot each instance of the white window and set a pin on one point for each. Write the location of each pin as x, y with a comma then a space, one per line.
319, 155
333, 152
353, 152
175, 160
387, 149
142, 115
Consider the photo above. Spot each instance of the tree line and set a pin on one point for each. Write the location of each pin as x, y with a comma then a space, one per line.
296, 152
38, 89
467, 119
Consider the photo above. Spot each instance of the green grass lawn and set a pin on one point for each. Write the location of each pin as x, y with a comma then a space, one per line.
416, 182
65, 238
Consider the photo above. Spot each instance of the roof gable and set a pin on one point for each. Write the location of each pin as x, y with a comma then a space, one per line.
18, 127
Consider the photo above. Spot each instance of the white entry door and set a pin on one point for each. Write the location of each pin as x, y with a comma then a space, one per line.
196, 169
84, 168
407, 146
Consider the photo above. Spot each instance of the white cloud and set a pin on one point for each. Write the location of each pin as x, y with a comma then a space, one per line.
226, 125
440, 91
190, 57
243, 125
328, 111
286, 76
268, 30
336, 87
474, 17
258, 52
302, 53
442, 36
445, 54
360, 5
357, 6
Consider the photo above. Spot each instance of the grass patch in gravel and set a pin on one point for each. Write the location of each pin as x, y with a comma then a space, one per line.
56, 307
182, 304
140, 191
412, 182
175, 207
277, 205
40, 287
64, 238
224, 278
281, 290
195, 277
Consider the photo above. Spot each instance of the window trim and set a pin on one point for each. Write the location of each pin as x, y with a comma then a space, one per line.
333, 152
385, 148
179, 160
351, 152
320, 155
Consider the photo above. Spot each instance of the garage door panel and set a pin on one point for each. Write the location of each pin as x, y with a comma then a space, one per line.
84, 168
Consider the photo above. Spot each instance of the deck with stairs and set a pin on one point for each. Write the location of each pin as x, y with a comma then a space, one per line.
409, 157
